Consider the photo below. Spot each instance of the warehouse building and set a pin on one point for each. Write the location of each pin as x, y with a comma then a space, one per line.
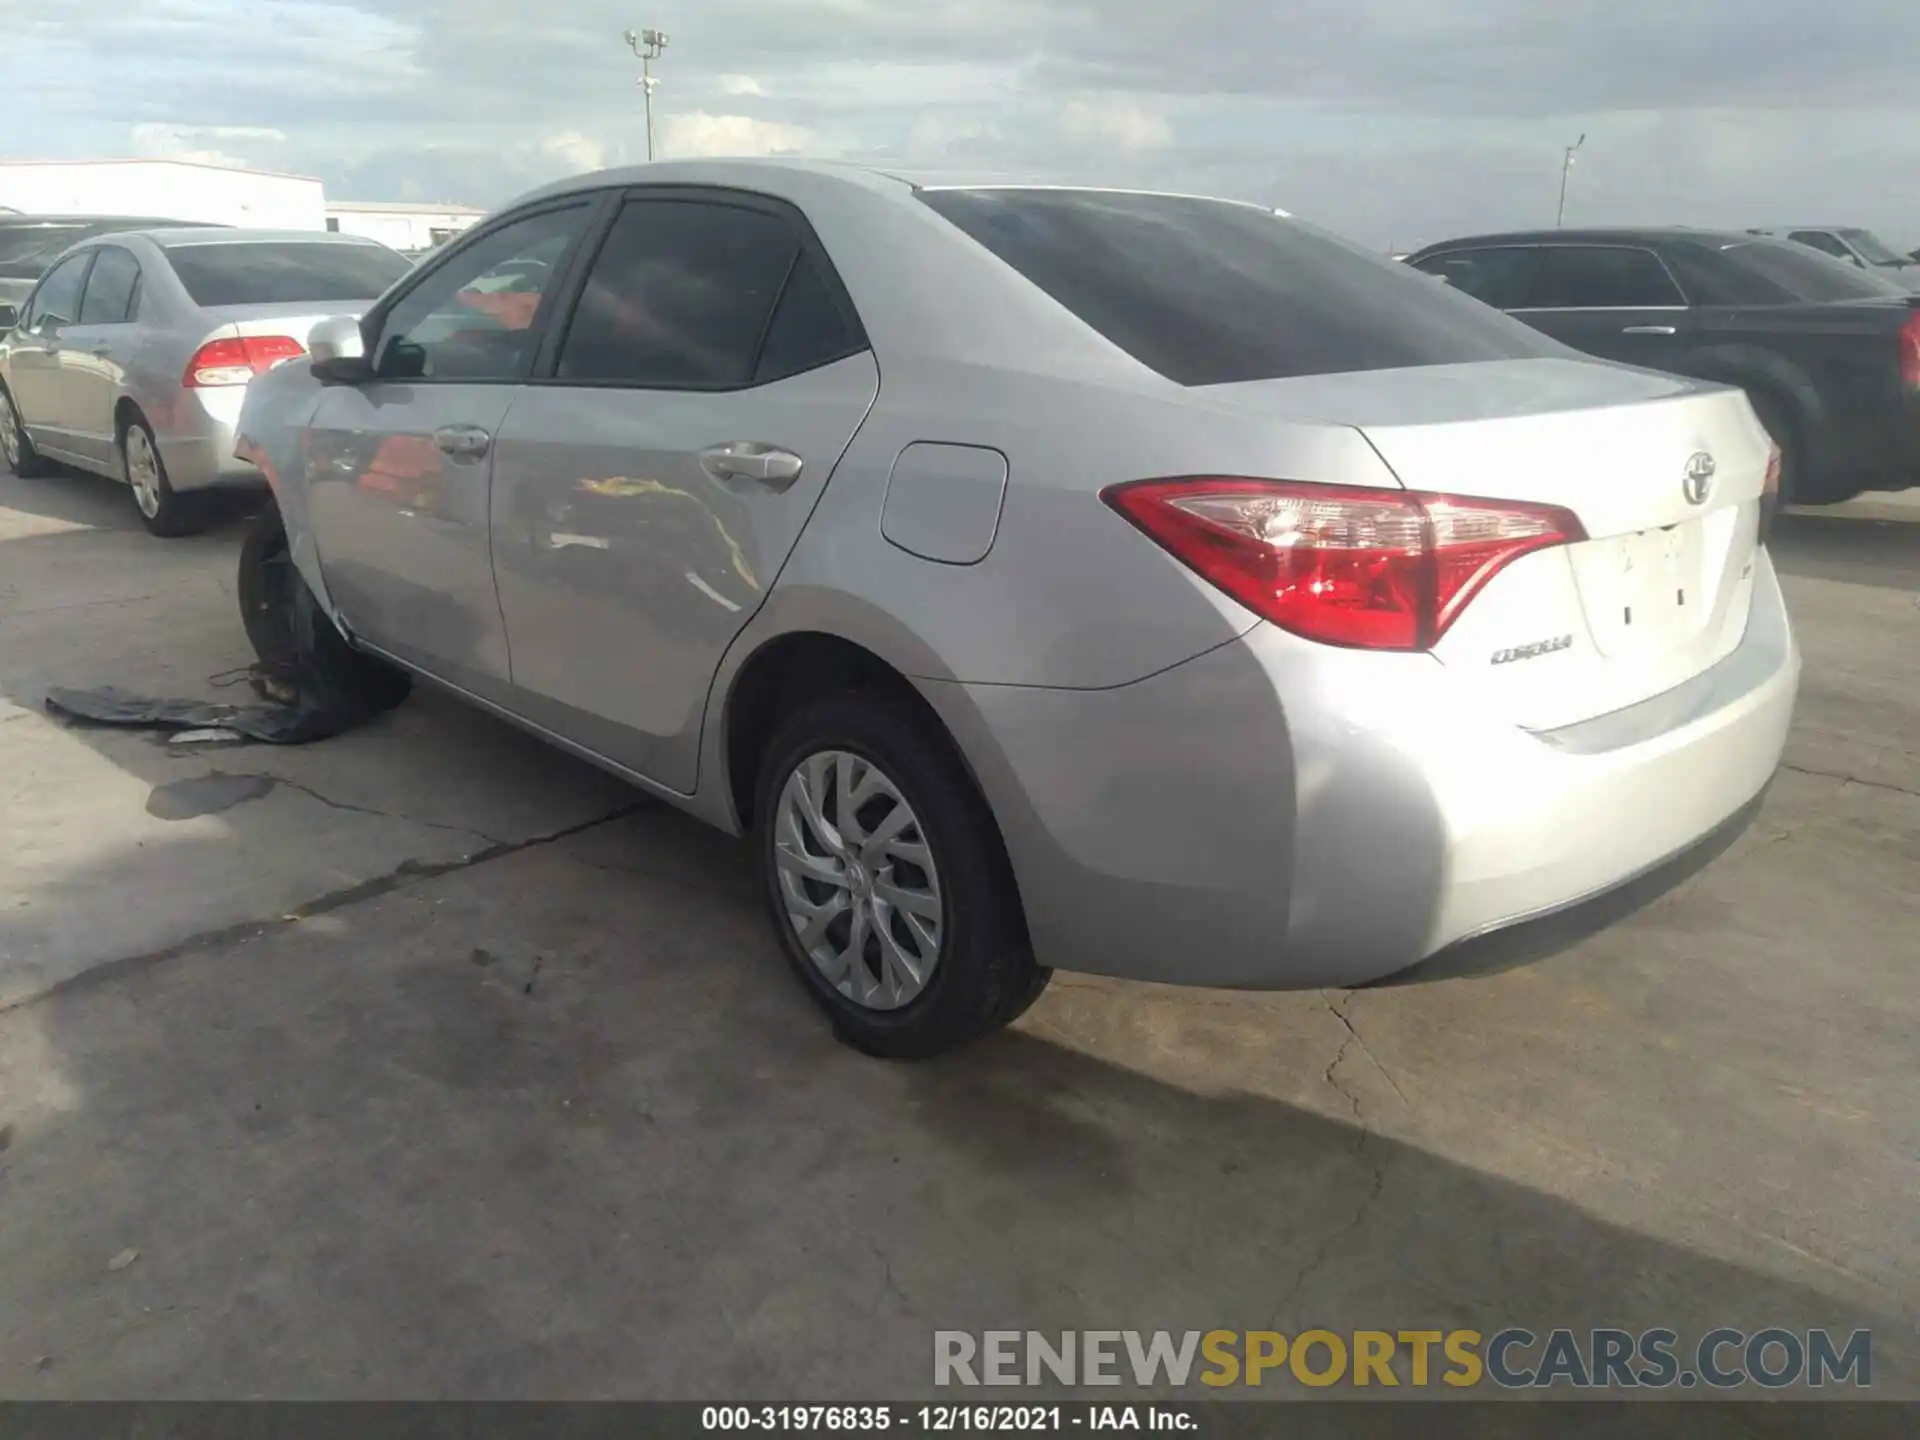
405, 227
188, 190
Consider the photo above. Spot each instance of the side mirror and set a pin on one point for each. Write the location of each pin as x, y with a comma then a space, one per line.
339, 352
9, 316
333, 338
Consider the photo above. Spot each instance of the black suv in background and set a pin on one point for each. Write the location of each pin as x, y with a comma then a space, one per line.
30, 243
1829, 355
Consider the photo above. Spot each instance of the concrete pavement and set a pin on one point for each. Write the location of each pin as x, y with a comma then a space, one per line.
527, 1106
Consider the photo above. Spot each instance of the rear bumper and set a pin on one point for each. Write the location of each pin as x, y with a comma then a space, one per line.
197, 444
1276, 813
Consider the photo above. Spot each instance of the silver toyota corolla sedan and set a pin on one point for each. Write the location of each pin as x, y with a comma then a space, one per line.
1044, 578
132, 354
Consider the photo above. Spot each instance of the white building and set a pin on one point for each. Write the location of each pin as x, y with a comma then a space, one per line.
185, 190
399, 225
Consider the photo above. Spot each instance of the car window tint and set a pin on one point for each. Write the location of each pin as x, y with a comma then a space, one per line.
1207, 292
1587, 277
26, 249
1820, 240
811, 326
57, 302
261, 272
1495, 276
110, 286
1772, 272
679, 296
473, 318
1872, 248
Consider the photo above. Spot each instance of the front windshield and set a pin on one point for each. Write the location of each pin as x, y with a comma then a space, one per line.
1876, 250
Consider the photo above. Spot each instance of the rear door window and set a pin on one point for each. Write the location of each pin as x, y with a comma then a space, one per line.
1601, 277
1497, 276
110, 287
682, 297
283, 272
813, 324
1208, 292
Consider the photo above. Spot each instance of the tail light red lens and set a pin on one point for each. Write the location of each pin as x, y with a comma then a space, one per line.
1910, 350
237, 360
1371, 569
1769, 493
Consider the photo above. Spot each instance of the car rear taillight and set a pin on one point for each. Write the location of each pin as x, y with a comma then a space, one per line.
1769, 493
1910, 350
237, 360
1372, 569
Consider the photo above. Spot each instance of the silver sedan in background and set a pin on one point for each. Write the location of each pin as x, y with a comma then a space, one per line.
132, 355
1045, 578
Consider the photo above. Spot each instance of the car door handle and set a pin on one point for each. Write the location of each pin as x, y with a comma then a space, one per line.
767, 465
1650, 330
100, 352
463, 442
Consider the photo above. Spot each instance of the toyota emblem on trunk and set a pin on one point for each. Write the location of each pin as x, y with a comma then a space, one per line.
1699, 482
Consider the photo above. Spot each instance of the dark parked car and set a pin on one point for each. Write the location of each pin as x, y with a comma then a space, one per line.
1853, 246
1828, 354
30, 243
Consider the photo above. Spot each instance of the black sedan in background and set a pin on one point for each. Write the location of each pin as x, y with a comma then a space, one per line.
30, 243
1828, 354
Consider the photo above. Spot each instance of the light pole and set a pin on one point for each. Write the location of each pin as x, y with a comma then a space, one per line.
647, 44
1566, 164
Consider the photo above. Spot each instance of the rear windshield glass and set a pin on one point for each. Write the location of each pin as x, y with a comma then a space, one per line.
25, 251
1208, 292
1773, 272
269, 272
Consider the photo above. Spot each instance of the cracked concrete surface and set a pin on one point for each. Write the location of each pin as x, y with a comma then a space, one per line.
90, 874
440, 1066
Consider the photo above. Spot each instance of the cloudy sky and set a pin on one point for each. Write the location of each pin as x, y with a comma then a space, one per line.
1397, 121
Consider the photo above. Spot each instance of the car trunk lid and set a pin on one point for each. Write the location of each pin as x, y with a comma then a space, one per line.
1665, 476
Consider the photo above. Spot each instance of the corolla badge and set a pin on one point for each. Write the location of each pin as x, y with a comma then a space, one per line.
1698, 484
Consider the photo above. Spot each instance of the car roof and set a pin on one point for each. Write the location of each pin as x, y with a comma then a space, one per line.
166, 237
744, 171
18, 221
1617, 235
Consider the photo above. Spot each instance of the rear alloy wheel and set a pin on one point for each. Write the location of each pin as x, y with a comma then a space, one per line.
886, 880
164, 512
21, 457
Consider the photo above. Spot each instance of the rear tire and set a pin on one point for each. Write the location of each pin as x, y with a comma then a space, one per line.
288, 630
1798, 484
15, 447
916, 869
163, 510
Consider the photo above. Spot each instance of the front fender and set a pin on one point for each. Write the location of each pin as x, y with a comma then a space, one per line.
272, 435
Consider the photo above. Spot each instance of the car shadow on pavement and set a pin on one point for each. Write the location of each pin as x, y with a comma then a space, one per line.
612, 1151
78, 497
1881, 553
1528, 942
